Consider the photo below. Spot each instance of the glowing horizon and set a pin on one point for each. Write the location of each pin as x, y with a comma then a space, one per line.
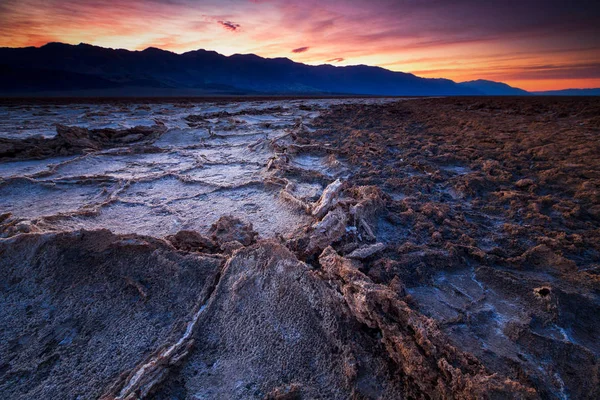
516, 42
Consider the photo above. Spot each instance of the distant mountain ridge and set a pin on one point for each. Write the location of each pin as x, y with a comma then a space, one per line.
492, 88
570, 92
58, 68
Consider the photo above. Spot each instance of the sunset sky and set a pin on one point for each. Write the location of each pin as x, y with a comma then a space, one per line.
532, 44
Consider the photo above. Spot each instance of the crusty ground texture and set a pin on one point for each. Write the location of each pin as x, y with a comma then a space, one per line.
459, 258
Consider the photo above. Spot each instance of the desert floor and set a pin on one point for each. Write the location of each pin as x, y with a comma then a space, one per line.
376, 248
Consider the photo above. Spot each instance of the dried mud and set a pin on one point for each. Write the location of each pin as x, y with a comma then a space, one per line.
299, 249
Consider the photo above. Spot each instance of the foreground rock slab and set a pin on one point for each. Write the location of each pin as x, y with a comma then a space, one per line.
79, 308
272, 329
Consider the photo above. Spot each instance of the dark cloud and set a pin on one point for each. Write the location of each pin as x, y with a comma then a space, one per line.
301, 49
232, 26
490, 18
337, 60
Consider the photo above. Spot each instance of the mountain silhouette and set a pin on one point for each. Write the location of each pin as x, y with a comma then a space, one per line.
492, 88
63, 69
571, 92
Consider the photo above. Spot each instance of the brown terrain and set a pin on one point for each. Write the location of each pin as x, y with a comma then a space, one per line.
457, 257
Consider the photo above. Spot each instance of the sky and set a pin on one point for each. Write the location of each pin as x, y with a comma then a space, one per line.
532, 44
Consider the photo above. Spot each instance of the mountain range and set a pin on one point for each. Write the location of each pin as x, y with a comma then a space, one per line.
63, 69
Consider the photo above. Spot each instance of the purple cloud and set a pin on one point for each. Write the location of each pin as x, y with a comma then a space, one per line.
301, 49
231, 26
